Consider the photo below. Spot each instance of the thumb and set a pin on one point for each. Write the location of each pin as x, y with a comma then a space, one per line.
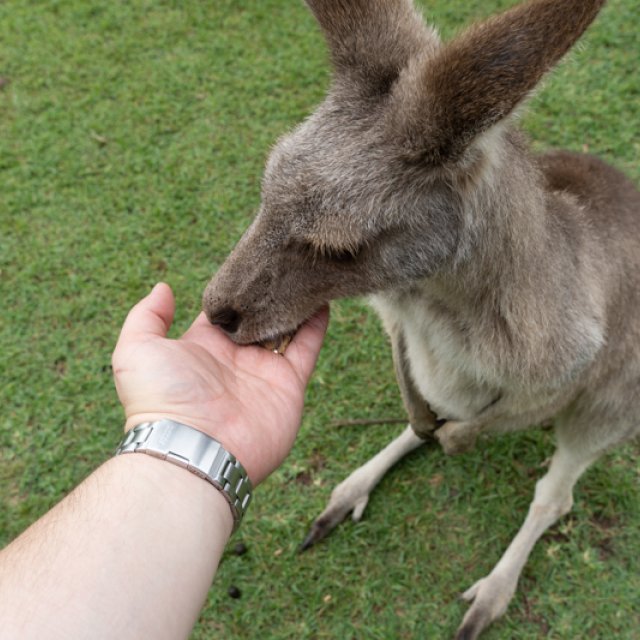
152, 316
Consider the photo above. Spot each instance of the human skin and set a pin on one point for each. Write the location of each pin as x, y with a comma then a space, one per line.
131, 552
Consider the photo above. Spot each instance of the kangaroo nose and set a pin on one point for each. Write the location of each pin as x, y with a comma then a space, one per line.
227, 319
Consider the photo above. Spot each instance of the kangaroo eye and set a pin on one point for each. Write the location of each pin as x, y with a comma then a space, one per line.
340, 255
332, 254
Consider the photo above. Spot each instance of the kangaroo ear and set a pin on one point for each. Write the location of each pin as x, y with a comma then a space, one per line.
372, 40
479, 78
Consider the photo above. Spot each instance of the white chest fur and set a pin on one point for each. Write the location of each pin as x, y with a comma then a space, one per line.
442, 362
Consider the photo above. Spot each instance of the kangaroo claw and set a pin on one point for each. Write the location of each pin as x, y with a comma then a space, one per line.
319, 530
325, 523
348, 497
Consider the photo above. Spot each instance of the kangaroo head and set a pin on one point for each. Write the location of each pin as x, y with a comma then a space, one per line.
368, 193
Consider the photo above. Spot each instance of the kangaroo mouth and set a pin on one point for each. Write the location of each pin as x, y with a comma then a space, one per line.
278, 344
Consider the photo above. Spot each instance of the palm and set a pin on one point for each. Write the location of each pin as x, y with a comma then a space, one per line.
248, 398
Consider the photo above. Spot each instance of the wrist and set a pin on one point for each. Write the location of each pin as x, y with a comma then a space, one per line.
154, 478
205, 426
221, 431
205, 457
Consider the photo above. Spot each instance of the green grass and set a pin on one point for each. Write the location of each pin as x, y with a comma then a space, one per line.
132, 141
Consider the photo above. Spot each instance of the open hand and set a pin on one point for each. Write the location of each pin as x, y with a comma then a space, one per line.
246, 397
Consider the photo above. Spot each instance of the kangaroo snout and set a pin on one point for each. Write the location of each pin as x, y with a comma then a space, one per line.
227, 318
251, 301
237, 297
224, 307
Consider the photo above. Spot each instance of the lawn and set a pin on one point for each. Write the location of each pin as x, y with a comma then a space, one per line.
132, 141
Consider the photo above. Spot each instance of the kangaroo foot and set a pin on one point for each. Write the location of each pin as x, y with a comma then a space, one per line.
350, 496
490, 597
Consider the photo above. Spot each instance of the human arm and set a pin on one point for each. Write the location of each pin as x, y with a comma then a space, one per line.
131, 552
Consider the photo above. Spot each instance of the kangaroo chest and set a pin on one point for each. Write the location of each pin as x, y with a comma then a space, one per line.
442, 360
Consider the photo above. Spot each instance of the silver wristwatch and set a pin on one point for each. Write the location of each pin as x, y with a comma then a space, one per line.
187, 447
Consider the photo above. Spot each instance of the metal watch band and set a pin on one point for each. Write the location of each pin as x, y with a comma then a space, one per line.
199, 453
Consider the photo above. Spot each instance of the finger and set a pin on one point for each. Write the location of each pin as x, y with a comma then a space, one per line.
305, 346
152, 316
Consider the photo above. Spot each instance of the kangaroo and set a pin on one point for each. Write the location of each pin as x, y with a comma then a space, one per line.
508, 282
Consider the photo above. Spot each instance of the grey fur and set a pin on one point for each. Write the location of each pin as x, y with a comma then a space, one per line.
510, 283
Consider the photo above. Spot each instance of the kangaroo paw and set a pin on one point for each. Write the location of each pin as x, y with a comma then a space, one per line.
490, 597
457, 437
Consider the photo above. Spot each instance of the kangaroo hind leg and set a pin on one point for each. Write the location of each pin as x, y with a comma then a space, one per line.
553, 498
352, 494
